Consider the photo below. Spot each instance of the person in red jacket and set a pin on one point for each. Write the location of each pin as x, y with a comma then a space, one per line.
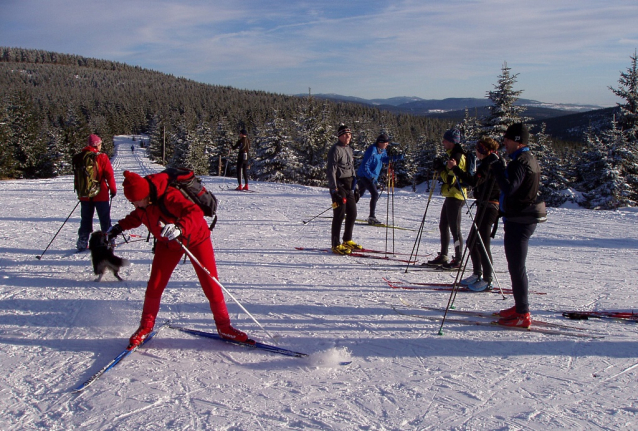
172, 218
99, 203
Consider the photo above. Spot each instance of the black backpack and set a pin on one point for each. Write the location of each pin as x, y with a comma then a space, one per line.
192, 188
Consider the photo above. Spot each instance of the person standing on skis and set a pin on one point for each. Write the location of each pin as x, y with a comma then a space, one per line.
486, 193
341, 182
368, 173
100, 202
243, 145
450, 220
519, 182
172, 218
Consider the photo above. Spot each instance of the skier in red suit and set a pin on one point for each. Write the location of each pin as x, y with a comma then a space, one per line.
171, 217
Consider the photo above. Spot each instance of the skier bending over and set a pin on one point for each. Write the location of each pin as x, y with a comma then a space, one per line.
156, 205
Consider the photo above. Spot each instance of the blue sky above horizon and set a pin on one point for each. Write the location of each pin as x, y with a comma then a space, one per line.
563, 51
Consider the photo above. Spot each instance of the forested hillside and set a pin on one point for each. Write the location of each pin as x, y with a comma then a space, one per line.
51, 102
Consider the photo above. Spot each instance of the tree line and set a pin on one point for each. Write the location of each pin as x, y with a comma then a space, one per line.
51, 102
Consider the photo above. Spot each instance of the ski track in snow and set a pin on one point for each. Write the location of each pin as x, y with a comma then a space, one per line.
58, 326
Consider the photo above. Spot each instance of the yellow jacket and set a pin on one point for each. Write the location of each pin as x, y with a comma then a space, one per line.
450, 189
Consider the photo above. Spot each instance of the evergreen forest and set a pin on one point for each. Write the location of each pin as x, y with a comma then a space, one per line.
51, 102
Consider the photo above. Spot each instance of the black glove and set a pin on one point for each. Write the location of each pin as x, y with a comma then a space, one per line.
357, 195
113, 193
438, 165
114, 231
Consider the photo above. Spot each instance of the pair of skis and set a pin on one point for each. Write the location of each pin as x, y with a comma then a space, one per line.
251, 344
364, 253
617, 316
478, 318
444, 287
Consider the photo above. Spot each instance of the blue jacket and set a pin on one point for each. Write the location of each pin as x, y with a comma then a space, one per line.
373, 161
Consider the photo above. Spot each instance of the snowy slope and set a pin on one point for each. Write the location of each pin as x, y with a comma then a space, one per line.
58, 327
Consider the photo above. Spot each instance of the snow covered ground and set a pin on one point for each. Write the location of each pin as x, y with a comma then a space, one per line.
58, 326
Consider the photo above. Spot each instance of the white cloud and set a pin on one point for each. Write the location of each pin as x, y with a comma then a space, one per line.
375, 46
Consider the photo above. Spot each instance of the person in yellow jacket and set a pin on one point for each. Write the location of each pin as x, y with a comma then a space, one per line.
450, 220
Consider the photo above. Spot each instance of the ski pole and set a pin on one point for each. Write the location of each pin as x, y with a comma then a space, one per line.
419, 233
306, 222
225, 170
390, 203
465, 258
56, 234
194, 259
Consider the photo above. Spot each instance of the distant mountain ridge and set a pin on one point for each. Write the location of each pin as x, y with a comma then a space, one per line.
434, 107
564, 121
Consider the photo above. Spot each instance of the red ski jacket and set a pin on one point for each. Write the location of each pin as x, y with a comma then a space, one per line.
176, 209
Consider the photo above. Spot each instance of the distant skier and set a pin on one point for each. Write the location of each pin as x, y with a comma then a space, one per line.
243, 145
132, 148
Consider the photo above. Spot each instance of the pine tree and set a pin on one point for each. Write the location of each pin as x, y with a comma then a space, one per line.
7, 162
470, 128
185, 149
503, 111
275, 159
424, 157
554, 188
314, 137
24, 129
206, 164
608, 171
224, 140
628, 90
156, 139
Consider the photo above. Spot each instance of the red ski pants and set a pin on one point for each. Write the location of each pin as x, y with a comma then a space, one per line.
164, 263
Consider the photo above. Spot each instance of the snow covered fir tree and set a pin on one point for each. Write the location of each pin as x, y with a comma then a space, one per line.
608, 168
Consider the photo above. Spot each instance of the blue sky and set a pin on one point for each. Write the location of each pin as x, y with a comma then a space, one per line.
564, 51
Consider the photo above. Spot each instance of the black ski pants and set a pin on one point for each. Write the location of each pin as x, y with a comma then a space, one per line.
450, 221
347, 210
242, 167
516, 243
481, 255
367, 184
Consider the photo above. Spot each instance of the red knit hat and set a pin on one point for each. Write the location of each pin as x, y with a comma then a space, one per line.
94, 140
135, 187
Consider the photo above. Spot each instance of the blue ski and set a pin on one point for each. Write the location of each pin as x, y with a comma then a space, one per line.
117, 360
250, 343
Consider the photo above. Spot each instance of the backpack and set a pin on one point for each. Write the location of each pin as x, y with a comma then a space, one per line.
470, 162
192, 188
86, 174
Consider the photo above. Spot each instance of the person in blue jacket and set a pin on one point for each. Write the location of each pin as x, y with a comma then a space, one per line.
370, 169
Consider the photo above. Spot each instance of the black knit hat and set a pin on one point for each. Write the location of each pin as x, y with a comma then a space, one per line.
518, 133
343, 129
382, 138
243, 132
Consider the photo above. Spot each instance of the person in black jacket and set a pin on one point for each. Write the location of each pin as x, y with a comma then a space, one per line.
243, 144
486, 192
519, 183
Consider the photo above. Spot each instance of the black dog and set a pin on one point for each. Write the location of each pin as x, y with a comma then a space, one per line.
103, 257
